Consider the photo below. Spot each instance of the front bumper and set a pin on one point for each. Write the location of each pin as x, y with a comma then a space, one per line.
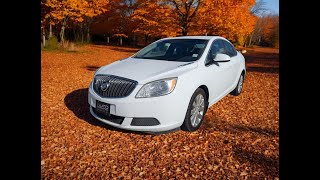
169, 110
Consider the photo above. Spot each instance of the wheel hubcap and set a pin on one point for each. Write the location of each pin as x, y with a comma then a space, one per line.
240, 83
197, 110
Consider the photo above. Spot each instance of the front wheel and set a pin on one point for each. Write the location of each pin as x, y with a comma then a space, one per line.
238, 88
196, 110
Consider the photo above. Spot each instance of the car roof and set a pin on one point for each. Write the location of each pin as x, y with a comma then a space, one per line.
195, 37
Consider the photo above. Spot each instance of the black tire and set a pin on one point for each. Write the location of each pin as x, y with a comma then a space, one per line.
237, 90
187, 126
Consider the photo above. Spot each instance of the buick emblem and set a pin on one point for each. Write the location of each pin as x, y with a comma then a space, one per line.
104, 86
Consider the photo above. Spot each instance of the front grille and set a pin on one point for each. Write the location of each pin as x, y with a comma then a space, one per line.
111, 118
113, 86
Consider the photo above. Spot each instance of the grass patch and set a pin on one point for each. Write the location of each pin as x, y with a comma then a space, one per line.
66, 46
51, 44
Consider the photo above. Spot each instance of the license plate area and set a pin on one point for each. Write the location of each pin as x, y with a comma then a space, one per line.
103, 108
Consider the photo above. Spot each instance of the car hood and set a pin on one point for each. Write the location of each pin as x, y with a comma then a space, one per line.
146, 70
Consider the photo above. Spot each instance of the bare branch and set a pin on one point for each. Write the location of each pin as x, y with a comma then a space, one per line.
194, 12
177, 7
259, 8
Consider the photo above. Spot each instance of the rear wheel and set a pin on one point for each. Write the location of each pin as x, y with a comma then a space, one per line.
238, 88
196, 110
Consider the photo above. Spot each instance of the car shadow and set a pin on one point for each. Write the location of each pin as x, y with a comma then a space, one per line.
77, 102
215, 123
270, 165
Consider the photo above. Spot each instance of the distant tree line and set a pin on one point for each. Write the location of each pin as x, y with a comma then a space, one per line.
266, 32
139, 22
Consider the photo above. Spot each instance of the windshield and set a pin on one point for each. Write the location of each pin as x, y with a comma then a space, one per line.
185, 50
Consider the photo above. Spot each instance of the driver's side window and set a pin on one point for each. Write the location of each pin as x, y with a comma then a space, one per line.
216, 47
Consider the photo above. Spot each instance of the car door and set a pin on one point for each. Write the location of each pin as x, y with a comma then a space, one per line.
234, 62
219, 73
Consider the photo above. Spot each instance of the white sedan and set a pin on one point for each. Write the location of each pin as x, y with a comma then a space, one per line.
168, 84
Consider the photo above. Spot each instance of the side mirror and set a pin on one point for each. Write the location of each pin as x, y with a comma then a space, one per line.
222, 58
243, 51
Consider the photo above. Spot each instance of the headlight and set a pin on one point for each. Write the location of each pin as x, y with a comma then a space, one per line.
157, 88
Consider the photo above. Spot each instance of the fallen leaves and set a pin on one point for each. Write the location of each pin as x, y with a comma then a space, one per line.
256, 141
243, 173
239, 136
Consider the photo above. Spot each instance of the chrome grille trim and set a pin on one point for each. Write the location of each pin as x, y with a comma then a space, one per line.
118, 86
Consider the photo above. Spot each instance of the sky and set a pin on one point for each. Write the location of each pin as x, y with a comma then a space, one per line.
272, 6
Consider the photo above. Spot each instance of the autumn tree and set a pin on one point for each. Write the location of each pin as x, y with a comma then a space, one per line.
229, 18
46, 20
79, 11
270, 31
118, 21
122, 22
259, 9
155, 18
166, 17
186, 11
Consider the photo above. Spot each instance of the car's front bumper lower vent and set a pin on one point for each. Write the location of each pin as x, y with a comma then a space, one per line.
144, 122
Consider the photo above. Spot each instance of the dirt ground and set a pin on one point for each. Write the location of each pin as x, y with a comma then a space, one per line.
239, 138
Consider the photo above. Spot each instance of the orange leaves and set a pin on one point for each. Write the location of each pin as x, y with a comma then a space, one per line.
120, 35
75, 145
157, 18
154, 19
268, 27
164, 17
74, 10
231, 19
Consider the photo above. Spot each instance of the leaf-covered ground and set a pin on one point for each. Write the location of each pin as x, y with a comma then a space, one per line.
239, 138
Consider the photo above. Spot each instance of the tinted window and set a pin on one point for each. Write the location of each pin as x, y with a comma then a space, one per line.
230, 49
216, 47
174, 50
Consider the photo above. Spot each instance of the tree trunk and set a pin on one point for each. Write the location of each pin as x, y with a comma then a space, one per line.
81, 34
62, 33
245, 43
134, 39
145, 40
75, 35
250, 40
184, 26
120, 40
50, 31
108, 40
44, 38
88, 35
184, 32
